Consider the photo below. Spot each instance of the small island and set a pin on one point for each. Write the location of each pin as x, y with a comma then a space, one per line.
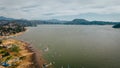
117, 25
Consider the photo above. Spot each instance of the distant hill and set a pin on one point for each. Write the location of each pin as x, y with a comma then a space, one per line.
26, 23
53, 20
86, 22
56, 21
80, 20
116, 25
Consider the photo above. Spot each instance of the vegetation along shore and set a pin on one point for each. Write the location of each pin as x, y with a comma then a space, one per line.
16, 53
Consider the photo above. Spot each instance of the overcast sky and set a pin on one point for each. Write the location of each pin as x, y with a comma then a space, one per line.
105, 10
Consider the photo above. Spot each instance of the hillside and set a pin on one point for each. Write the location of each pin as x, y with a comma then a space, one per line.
27, 23
86, 22
10, 29
17, 54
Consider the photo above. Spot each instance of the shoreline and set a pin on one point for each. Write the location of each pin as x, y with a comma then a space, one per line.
13, 35
36, 56
33, 58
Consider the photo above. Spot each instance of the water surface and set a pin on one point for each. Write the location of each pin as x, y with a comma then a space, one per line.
77, 46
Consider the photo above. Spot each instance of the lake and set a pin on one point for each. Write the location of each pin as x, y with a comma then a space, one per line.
77, 46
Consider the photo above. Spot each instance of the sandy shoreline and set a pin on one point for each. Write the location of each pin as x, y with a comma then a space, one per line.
33, 58
36, 57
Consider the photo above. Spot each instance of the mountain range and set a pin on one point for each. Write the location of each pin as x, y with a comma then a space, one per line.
25, 22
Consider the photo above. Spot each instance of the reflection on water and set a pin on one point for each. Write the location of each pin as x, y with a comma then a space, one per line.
77, 46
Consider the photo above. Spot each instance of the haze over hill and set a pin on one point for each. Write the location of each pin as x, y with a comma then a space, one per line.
25, 22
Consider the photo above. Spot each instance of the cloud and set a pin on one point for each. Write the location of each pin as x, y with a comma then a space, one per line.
48, 9
49, 14
2, 8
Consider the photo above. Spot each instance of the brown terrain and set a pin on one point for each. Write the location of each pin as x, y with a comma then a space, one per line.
32, 58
